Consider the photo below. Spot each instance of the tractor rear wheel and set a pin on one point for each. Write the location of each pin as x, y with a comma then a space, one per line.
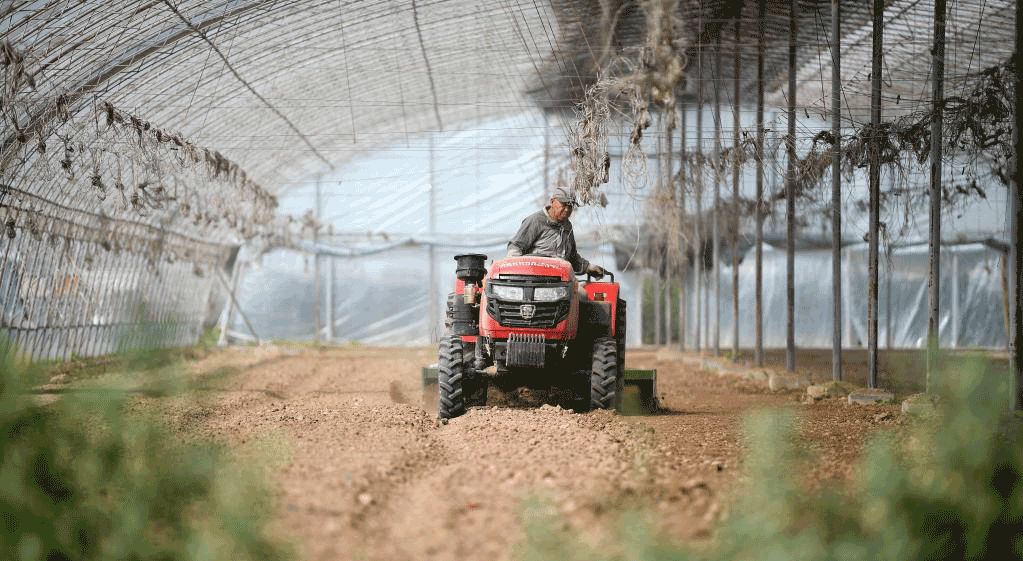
605, 376
620, 331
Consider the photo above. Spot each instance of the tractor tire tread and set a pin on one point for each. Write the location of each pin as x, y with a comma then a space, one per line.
450, 379
605, 374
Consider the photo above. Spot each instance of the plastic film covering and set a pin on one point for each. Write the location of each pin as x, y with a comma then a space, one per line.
142, 143
282, 88
972, 298
379, 298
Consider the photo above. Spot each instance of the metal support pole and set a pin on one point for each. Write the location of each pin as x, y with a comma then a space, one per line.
237, 306
836, 191
735, 194
956, 319
657, 299
847, 299
8, 269
659, 253
705, 299
318, 309
934, 240
758, 344
683, 158
225, 322
432, 297
875, 192
669, 256
888, 335
330, 288
698, 235
716, 252
546, 151
790, 203
667, 298
1015, 334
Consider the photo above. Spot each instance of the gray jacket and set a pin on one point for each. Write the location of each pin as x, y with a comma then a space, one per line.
539, 235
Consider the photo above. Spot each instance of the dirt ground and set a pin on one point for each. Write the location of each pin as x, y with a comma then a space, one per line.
361, 469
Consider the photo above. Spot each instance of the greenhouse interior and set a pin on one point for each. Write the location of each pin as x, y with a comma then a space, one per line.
755, 174
510, 280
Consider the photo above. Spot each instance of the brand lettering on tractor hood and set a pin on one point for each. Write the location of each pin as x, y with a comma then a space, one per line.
532, 264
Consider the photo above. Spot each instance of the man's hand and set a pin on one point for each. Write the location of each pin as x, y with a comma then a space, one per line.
596, 271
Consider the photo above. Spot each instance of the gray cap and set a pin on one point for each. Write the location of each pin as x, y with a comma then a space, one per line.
565, 196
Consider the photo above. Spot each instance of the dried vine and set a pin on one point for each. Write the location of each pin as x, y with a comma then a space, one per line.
627, 85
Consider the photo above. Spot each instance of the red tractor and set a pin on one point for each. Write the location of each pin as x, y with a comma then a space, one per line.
532, 320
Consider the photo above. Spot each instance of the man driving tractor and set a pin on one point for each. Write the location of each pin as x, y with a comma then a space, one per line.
529, 318
548, 233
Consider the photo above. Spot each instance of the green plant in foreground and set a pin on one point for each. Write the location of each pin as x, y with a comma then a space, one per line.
951, 487
82, 479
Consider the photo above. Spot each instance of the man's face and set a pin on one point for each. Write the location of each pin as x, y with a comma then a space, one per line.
560, 211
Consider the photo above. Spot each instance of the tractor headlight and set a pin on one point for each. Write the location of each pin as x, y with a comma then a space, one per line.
507, 292
550, 293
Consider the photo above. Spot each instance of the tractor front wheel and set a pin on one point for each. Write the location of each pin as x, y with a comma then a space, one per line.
606, 379
459, 385
450, 379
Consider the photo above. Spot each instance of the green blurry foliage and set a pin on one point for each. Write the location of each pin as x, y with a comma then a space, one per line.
89, 476
949, 486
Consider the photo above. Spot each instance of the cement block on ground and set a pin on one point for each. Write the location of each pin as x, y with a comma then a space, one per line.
866, 397
725, 367
756, 375
919, 404
733, 371
712, 364
787, 381
816, 391
829, 389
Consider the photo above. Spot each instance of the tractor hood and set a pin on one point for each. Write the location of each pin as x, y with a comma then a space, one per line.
533, 265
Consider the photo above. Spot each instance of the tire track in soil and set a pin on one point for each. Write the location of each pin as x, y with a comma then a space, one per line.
370, 474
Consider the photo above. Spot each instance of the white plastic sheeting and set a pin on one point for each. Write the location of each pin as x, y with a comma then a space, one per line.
972, 298
378, 299
484, 185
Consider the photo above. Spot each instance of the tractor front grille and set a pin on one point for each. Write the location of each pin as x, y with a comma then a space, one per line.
526, 350
545, 315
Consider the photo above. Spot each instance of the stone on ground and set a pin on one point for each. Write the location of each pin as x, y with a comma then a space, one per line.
865, 397
918, 404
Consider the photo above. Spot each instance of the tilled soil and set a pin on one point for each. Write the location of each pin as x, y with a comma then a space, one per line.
361, 469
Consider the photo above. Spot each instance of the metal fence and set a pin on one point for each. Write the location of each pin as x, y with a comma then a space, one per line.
79, 283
